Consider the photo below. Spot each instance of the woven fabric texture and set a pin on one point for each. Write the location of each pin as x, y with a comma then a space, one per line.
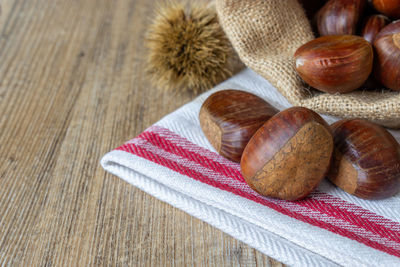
266, 35
173, 161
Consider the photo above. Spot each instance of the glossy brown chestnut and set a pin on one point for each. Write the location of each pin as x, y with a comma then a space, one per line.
373, 25
289, 155
229, 119
387, 56
335, 64
339, 17
390, 8
366, 161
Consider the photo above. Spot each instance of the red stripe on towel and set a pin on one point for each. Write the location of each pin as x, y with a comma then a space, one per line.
160, 145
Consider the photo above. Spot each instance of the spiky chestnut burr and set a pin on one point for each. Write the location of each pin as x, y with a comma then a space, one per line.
187, 47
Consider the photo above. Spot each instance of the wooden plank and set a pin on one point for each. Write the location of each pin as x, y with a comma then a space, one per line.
72, 87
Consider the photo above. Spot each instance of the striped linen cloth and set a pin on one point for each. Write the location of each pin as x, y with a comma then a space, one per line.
173, 161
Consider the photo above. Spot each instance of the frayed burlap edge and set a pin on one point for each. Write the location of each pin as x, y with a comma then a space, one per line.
266, 33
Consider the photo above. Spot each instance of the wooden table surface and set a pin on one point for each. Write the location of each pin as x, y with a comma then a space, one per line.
72, 87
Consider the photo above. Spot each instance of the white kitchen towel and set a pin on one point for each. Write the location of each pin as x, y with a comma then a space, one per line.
173, 161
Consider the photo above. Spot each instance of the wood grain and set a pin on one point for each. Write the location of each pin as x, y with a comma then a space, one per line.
72, 87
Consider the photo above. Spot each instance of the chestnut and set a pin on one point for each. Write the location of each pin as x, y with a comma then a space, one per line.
366, 161
339, 17
390, 8
335, 64
229, 118
289, 155
373, 26
387, 56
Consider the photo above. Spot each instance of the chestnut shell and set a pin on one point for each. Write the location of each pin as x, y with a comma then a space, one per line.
229, 118
372, 26
339, 17
387, 56
335, 64
289, 155
366, 161
390, 8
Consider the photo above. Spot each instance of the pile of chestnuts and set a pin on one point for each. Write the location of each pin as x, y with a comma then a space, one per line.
286, 154
339, 61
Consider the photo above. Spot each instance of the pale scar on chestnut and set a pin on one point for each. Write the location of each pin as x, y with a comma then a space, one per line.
283, 176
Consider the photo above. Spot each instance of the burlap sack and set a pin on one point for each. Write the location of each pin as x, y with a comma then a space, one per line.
266, 33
